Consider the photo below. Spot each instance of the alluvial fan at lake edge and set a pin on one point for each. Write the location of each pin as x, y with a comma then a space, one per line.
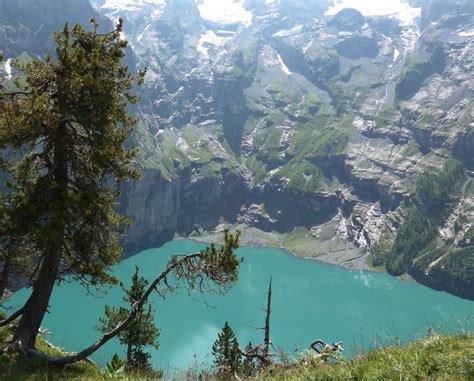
310, 300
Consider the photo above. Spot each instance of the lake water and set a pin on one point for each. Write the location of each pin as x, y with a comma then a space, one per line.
310, 300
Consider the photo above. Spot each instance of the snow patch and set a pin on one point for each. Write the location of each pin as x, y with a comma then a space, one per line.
283, 66
211, 39
8, 68
305, 49
134, 9
39, 29
132, 5
469, 33
140, 37
289, 32
395, 8
396, 53
116, 6
225, 12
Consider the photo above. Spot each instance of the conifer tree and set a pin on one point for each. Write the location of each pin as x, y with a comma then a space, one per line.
65, 126
226, 352
249, 365
62, 143
141, 332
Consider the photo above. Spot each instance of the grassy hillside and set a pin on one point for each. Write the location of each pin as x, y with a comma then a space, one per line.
18, 368
433, 358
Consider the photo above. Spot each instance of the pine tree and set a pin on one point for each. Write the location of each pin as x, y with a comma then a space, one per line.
226, 352
249, 365
141, 333
65, 126
62, 143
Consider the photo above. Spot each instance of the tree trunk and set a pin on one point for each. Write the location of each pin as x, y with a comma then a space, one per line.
129, 354
5, 274
37, 305
267, 321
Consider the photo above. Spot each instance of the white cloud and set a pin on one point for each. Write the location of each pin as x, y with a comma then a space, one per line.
196, 345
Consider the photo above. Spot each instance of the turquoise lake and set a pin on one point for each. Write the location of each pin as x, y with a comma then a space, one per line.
311, 300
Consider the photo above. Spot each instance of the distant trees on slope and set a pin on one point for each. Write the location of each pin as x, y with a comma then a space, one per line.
433, 201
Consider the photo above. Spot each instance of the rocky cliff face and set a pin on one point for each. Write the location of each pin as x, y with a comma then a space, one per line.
286, 114
303, 117
27, 26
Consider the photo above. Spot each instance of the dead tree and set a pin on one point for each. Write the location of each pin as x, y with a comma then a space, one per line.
268, 312
260, 352
326, 351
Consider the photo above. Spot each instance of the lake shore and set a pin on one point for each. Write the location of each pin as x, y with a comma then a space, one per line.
301, 243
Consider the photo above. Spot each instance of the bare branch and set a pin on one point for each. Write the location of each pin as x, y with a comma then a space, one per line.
12, 317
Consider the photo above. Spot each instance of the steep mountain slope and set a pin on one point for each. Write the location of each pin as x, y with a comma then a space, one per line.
308, 122
28, 25
303, 117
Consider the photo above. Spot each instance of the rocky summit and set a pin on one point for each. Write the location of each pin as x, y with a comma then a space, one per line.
321, 126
